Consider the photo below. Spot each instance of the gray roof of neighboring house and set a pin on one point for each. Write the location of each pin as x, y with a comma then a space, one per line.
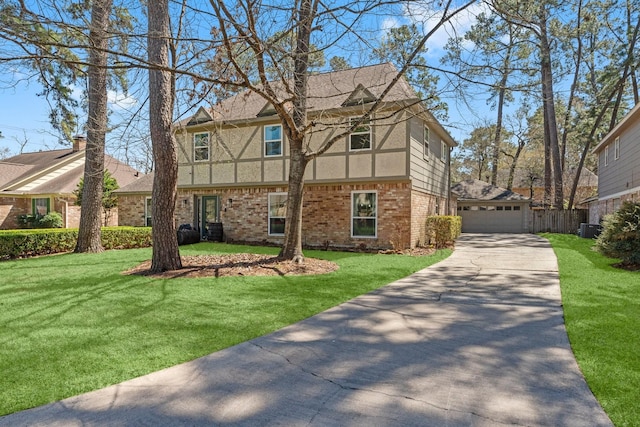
143, 185
54, 172
474, 189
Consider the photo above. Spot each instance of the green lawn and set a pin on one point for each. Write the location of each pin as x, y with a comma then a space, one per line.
73, 323
602, 315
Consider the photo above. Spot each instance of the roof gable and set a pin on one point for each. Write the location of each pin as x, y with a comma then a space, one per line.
201, 116
360, 96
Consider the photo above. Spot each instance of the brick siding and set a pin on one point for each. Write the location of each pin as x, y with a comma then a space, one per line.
326, 214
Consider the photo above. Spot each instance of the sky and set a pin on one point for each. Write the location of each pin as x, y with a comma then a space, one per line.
24, 115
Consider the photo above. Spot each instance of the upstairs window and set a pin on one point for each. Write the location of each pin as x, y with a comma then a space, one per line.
201, 147
444, 150
616, 149
606, 155
273, 140
425, 143
360, 137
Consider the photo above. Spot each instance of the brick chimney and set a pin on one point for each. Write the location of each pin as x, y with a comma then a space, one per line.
79, 143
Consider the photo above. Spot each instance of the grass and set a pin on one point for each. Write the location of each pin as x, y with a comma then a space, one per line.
602, 316
73, 323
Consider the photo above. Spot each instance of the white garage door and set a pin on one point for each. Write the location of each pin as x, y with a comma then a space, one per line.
493, 219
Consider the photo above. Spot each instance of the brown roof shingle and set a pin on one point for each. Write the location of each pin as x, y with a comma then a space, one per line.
18, 174
326, 91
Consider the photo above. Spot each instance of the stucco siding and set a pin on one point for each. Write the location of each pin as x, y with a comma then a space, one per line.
391, 164
360, 166
244, 145
331, 167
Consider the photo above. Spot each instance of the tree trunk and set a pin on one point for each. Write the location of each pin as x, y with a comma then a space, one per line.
551, 127
166, 255
89, 235
501, 98
292, 246
514, 164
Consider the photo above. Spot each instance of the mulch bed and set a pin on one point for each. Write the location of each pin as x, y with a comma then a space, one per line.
238, 265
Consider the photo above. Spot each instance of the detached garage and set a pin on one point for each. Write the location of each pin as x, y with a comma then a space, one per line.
485, 208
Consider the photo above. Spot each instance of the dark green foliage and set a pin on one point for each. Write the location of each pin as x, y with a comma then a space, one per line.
50, 220
442, 230
620, 237
26, 243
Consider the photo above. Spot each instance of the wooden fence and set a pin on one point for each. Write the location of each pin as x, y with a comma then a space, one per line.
554, 221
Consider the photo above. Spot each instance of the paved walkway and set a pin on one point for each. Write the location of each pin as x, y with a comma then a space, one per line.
476, 340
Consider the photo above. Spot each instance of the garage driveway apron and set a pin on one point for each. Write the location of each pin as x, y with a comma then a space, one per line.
476, 340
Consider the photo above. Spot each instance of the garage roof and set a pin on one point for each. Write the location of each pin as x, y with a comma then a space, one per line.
474, 189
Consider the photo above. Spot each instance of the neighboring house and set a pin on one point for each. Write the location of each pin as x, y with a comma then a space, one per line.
533, 187
42, 182
373, 188
485, 208
618, 167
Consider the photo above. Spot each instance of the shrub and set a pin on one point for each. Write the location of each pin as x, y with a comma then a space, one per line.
442, 230
126, 237
620, 237
26, 243
50, 220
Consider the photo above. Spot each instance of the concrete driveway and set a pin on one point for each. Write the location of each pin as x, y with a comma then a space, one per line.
476, 340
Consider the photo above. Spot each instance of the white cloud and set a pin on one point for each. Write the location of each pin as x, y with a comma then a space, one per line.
457, 26
121, 100
389, 23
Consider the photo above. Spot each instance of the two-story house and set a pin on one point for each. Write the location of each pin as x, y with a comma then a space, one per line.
618, 167
373, 188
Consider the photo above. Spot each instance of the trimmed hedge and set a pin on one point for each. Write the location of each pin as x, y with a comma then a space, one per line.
442, 230
33, 242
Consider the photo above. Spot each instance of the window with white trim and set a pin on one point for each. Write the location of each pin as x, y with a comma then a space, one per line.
360, 137
277, 213
364, 214
272, 140
444, 149
606, 155
201, 147
616, 149
147, 212
425, 143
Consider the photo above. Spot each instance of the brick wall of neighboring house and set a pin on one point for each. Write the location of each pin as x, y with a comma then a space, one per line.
10, 209
131, 210
598, 209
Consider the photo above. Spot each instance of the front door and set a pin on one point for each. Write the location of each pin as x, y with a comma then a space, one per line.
209, 213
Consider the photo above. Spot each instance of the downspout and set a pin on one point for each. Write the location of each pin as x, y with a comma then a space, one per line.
66, 213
